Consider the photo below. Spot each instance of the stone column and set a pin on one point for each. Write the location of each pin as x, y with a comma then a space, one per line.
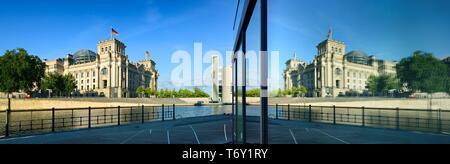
126, 80
119, 92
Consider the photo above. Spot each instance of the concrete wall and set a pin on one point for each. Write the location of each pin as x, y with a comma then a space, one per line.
18, 104
366, 102
104, 102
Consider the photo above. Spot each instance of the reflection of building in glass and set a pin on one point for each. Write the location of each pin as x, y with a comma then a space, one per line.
107, 73
293, 67
333, 72
447, 61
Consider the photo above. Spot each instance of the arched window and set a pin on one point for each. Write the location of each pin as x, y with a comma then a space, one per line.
338, 72
105, 71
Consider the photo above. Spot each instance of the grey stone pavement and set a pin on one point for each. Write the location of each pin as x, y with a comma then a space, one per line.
217, 130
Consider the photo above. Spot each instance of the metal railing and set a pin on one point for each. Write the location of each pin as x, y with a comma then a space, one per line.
27, 122
436, 121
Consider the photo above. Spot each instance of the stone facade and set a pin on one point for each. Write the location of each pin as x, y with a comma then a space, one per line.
292, 72
108, 72
335, 72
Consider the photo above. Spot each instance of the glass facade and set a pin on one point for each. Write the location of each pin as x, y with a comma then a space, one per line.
251, 40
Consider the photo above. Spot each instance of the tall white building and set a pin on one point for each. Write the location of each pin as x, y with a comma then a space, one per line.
226, 83
215, 79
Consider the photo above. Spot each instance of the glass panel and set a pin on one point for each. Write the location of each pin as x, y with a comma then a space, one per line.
239, 13
239, 122
253, 44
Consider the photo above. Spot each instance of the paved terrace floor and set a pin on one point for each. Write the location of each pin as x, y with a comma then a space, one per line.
217, 130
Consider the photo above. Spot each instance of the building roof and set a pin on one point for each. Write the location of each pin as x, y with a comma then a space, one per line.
358, 57
84, 56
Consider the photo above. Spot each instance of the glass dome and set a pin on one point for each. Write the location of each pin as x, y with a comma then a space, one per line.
84, 56
357, 57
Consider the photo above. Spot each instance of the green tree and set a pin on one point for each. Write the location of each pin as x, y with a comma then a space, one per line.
303, 90
296, 91
174, 94
200, 93
164, 93
58, 83
185, 93
20, 72
51, 81
382, 84
140, 91
288, 92
182, 93
69, 83
423, 72
280, 93
150, 92
254, 92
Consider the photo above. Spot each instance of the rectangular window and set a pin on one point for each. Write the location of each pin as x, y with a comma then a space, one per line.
87, 88
87, 81
105, 83
81, 81
93, 80
87, 74
338, 85
93, 86
82, 88
93, 74
82, 74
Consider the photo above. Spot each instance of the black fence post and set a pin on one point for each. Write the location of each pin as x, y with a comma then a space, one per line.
142, 114
162, 112
397, 119
439, 121
310, 113
363, 117
334, 114
173, 112
131, 113
118, 115
72, 119
89, 118
8, 118
276, 111
53, 119
289, 112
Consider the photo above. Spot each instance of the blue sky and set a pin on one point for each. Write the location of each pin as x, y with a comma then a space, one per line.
389, 29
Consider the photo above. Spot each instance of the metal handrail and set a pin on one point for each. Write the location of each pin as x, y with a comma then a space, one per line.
91, 117
394, 118
368, 108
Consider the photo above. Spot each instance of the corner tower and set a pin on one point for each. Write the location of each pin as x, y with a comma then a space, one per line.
329, 68
112, 68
